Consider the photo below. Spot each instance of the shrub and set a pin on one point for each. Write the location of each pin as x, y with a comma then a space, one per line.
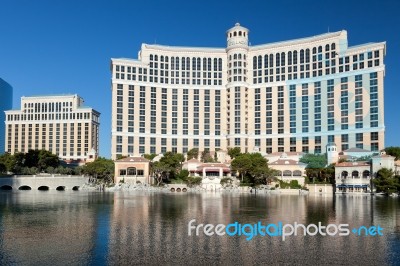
193, 181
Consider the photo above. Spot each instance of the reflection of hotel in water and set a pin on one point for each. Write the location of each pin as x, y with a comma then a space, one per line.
58, 224
154, 227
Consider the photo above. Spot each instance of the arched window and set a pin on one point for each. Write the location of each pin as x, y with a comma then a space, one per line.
314, 50
183, 63
240, 56
266, 61
204, 64
151, 57
240, 33
345, 174
290, 58
235, 56
295, 58
172, 63
162, 58
198, 64
283, 59
354, 174
271, 60
187, 63
327, 48
234, 33
277, 59
177, 63
259, 63
307, 55
209, 64
333, 46
366, 174
131, 171
319, 49
215, 64
296, 173
166, 59
278, 173
254, 62
194, 63
287, 173
301, 56
156, 58
220, 64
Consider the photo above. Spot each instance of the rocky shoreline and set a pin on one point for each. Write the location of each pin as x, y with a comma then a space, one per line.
167, 188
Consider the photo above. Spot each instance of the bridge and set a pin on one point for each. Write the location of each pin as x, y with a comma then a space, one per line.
42, 182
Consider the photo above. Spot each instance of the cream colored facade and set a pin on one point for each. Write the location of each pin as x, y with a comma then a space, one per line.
60, 124
291, 96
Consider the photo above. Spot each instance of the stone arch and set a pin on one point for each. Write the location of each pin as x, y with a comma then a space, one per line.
24, 188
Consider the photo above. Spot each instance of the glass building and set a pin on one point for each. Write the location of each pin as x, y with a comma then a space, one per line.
6, 96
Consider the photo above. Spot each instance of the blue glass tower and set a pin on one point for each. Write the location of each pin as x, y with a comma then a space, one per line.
6, 96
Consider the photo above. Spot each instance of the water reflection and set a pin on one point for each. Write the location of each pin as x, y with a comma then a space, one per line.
122, 228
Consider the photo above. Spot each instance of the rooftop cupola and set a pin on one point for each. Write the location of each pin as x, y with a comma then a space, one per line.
237, 36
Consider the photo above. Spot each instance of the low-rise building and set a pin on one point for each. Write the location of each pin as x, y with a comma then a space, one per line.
289, 169
132, 170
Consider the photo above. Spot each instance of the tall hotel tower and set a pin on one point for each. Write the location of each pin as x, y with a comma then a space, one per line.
296, 95
57, 123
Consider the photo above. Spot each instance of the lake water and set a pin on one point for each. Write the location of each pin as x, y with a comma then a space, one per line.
94, 228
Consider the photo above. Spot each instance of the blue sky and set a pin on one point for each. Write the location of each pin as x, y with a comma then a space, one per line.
55, 47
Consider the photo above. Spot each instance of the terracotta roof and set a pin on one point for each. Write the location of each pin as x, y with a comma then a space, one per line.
356, 150
352, 164
133, 159
287, 162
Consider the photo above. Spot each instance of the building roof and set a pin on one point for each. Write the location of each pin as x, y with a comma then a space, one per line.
287, 162
213, 166
356, 150
352, 164
133, 159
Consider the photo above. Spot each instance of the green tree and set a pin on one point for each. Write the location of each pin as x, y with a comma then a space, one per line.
3, 168
241, 164
161, 171
385, 181
393, 151
150, 157
206, 157
234, 152
192, 154
101, 168
47, 159
314, 161
173, 161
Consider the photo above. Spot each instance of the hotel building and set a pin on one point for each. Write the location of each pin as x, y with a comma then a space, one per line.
292, 96
60, 124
